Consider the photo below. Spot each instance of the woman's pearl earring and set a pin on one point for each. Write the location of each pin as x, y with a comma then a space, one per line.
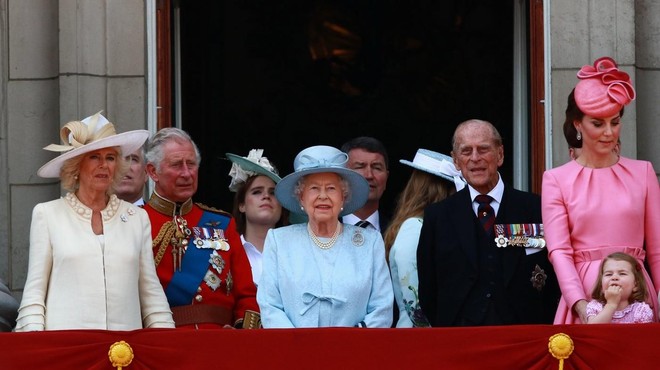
579, 136
302, 208
341, 209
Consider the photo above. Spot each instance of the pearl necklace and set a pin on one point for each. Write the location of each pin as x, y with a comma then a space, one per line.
329, 243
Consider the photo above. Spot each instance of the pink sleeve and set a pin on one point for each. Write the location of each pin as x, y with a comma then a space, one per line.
558, 239
652, 226
593, 308
642, 313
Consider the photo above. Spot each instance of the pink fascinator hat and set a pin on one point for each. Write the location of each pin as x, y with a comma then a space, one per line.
603, 89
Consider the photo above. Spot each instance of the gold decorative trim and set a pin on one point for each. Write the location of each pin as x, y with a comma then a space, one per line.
168, 207
162, 240
120, 354
213, 209
560, 346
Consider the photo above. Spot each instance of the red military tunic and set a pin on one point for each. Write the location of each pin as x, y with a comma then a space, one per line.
222, 276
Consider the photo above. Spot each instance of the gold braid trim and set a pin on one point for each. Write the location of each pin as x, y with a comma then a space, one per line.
163, 238
213, 209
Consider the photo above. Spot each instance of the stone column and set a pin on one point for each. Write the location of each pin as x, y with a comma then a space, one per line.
647, 44
32, 114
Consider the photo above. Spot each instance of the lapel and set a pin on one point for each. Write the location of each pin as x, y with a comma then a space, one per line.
510, 256
463, 227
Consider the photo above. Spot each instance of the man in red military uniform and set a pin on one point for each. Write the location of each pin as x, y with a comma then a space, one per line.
199, 257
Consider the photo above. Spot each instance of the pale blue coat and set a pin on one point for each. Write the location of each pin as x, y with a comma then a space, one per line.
305, 286
403, 266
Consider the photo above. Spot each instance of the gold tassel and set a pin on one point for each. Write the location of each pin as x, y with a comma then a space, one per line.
560, 346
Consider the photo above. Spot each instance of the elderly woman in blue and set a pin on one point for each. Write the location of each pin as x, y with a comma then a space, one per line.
323, 273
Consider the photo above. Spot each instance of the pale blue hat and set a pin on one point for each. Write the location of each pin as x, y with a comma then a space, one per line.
319, 159
437, 164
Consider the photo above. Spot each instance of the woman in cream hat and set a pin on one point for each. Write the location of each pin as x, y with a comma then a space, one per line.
256, 209
324, 273
600, 202
434, 178
91, 265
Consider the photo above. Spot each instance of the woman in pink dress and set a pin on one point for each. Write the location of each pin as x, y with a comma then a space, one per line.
600, 202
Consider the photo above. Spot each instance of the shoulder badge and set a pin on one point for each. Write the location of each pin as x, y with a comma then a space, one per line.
213, 209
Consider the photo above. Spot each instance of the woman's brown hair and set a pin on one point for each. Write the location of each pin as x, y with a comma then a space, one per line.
421, 190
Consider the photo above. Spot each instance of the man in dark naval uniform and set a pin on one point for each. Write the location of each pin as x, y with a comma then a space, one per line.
199, 257
481, 257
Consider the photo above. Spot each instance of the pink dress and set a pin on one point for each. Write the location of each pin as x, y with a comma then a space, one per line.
635, 313
589, 213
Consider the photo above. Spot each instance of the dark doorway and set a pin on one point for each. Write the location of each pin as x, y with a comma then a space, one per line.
285, 75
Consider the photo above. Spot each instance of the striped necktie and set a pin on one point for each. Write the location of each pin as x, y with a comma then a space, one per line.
363, 223
485, 212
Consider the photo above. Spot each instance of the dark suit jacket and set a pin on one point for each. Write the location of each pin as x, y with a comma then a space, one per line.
447, 260
384, 221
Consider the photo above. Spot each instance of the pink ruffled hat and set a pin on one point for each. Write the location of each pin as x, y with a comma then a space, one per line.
603, 89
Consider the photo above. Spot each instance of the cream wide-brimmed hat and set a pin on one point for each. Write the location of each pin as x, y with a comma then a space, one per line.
320, 159
437, 164
92, 133
254, 164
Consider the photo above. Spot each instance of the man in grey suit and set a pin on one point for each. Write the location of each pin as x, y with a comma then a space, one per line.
471, 274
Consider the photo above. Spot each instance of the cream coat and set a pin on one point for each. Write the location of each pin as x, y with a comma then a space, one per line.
75, 283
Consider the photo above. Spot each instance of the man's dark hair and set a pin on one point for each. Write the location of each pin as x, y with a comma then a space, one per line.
368, 143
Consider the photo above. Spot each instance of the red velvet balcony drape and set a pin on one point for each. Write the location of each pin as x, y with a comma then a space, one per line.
606, 346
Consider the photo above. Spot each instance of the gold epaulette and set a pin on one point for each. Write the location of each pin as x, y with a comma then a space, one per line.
213, 209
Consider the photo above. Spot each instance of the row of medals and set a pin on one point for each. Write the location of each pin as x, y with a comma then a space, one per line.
518, 240
180, 242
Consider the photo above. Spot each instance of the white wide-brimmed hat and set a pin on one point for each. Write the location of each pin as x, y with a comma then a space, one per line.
92, 133
254, 164
437, 164
319, 159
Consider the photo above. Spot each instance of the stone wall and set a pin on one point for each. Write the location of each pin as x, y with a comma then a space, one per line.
67, 60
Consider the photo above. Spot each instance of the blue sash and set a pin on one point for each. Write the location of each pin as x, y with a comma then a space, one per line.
183, 286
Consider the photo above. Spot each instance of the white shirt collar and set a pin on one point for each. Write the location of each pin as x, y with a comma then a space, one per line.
496, 193
374, 220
